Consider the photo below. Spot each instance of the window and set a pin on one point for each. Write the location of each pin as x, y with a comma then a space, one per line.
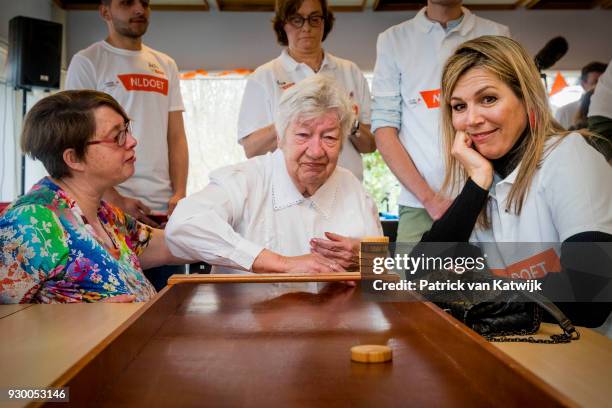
212, 105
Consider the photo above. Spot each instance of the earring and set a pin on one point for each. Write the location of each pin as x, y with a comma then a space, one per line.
532, 119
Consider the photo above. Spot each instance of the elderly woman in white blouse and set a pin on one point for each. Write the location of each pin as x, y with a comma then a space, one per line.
293, 210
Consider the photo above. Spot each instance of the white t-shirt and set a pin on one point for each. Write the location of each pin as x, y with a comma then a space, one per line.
409, 61
566, 114
265, 87
255, 205
570, 193
146, 84
601, 101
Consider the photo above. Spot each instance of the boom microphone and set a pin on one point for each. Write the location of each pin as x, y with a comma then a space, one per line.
552, 52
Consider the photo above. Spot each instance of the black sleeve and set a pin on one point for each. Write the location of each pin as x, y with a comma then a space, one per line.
587, 267
458, 221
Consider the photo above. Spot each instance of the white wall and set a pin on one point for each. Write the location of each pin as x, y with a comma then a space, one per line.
41, 9
223, 40
11, 103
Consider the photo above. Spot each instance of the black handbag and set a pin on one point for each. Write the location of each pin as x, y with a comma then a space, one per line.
501, 321
499, 317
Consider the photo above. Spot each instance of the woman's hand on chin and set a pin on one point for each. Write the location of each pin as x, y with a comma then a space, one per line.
478, 168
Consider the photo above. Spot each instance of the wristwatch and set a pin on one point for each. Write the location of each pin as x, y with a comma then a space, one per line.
355, 128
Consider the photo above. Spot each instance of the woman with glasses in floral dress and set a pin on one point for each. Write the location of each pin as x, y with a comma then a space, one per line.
302, 26
60, 242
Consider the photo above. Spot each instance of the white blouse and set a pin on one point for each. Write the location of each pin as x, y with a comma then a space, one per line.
255, 205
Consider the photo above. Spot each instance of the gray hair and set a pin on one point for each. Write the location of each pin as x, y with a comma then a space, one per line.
311, 98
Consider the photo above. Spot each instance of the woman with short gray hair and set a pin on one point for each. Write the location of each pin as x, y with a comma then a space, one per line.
292, 210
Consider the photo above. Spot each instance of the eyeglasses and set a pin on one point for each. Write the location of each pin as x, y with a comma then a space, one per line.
314, 20
119, 139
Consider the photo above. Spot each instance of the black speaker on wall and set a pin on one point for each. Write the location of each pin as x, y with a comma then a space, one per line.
35, 53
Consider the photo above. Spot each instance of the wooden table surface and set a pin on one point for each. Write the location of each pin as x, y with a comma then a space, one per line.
192, 348
43, 344
263, 344
581, 369
7, 310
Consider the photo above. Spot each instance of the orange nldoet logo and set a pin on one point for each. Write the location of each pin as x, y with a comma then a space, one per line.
431, 98
287, 85
143, 82
533, 267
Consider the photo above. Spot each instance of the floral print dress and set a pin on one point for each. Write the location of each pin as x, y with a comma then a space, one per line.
50, 254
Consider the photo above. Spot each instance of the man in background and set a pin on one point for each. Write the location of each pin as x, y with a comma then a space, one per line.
405, 115
566, 115
600, 112
146, 83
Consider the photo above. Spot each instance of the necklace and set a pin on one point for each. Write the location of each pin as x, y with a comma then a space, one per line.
319, 62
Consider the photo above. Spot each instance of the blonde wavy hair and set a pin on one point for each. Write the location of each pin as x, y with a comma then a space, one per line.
507, 60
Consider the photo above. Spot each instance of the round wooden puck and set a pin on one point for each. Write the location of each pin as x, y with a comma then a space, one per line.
371, 353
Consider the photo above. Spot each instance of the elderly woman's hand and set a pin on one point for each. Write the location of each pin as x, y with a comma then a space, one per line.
341, 249
311, 263
271, 262
478, 168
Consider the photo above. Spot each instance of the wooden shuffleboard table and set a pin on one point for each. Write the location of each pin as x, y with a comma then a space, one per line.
264, 344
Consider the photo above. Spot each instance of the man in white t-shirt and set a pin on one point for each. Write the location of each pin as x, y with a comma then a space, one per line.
405, 114
146, 83
566, 114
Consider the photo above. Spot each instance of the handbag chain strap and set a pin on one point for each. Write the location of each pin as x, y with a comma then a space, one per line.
569, 333
554, 338
565, 337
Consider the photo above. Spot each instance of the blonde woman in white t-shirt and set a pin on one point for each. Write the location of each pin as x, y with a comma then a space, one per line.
525, 179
